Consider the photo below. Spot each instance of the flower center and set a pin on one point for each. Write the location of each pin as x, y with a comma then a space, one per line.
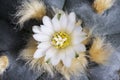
61, 40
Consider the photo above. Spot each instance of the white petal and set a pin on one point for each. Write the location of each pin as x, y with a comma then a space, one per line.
55, 60
44, 45
67, 62
41, 37
62, 54
71, 22
47, 30
79, 48
79, 34
78, 29
72, 17
70, 52
77, 39
36, 29
39, 53
63, 21
56, 23
50, 53
47, 21
67, 57
70, 27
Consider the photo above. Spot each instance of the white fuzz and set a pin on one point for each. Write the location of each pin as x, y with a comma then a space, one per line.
30, 9
4, 63
102, 5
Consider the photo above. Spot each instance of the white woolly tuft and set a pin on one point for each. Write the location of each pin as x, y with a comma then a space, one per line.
38, 65
4, 63
102, 5
30, 9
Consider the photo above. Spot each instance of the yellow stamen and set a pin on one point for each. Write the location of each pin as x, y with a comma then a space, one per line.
61, 40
